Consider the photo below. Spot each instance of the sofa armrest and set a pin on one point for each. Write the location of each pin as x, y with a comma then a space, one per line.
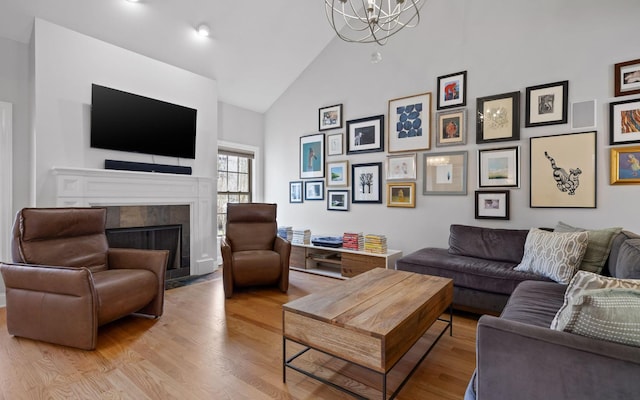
151, 260
283, 247
227, 266
52, 304
521, 361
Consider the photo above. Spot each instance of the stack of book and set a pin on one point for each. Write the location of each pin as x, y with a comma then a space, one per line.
353, 241
375, 244
285, 232
301, 236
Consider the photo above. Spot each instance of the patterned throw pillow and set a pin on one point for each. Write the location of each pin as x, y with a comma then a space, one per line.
583, 281
552, 254
606, 314
599, 246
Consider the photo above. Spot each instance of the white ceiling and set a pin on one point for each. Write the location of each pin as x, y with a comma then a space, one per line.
257, 48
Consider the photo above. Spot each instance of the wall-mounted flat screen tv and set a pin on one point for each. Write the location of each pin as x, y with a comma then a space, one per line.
129, 122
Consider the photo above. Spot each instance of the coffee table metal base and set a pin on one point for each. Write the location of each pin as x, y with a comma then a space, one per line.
288, 363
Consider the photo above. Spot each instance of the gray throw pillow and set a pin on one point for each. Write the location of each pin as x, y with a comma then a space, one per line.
554, 255
628, 263
600, 241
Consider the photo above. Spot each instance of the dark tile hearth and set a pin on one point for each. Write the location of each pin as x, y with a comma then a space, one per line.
190, 280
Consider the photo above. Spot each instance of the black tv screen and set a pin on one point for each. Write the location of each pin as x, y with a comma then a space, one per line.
129, 122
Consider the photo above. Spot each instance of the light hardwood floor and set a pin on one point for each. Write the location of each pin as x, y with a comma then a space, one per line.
206, 347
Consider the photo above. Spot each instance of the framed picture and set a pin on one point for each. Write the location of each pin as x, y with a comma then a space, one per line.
445, 173
410, 123
314, 190
401, 194
365, 135
401, 167
498, 118
625, 165
334, 144
499, 167
624, 120
452, 90
338, 173
563, 170
451, 127
492, 204
547, 104
627, 78
366, 183
338, 200
312, 156
295, 192
330, 117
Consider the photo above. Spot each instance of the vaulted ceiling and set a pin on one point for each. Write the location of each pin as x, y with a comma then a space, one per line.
256, 49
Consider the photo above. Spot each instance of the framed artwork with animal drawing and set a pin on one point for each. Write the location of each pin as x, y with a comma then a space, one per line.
563, 170
452, 90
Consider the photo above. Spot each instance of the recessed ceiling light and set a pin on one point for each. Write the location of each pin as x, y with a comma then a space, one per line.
133, 1
203, 30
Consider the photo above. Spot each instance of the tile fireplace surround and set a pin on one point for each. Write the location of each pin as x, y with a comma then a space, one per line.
83, 187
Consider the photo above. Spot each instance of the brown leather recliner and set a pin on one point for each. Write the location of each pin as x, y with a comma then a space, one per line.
68, 281
252, 252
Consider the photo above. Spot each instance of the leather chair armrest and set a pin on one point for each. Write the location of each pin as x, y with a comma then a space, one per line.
227, 266
283, 247
152, 260
53, 304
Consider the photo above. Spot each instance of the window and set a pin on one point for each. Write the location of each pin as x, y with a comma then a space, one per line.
234, 182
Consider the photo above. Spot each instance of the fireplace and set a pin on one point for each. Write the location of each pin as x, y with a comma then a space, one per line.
159, 227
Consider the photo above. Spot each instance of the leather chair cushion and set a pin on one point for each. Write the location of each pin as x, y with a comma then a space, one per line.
256, 267
123, 291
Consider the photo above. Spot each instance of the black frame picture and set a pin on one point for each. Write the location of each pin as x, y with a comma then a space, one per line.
365, 135
338, 200
313, 190
312, 156
366, 183
499, 167
330, 117
547, 104
624, 118
492, 204
452, 90
498, 118
295, 192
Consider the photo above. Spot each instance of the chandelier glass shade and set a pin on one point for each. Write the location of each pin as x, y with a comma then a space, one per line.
371, 21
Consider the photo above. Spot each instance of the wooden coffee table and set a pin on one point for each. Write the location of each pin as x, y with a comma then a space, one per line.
371, 320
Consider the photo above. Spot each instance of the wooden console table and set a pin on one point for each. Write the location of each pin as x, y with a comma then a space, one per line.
339, 262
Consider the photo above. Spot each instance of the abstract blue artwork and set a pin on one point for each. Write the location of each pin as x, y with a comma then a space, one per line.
409, 121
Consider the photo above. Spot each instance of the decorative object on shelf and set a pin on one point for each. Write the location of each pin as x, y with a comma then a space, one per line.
330, 117
366, 183
451, 127
314, 190
563, 170
371, 21
499, 167
492, 204
312, 156
498, 118
627, 78
338, 200
547, 104
410, 123
625, 165
401, 194
338, 173
452, 90
334, 144
583, 114
295, 192
624, 120
365, 135
401, 167
445, 173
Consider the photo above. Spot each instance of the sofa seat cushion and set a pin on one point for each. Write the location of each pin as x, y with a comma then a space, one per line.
468, 272
256, 267
123, 291
535, 303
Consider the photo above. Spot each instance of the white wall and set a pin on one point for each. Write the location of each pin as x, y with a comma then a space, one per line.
66, 64
505, 46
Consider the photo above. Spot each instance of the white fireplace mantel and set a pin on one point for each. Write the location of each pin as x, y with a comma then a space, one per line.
84, 187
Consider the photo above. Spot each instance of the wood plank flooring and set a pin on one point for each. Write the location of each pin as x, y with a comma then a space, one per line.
206, 347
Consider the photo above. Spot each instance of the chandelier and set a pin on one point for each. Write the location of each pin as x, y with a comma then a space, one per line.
369, 21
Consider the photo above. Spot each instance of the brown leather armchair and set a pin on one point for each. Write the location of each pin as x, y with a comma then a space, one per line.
65, 280
252, 252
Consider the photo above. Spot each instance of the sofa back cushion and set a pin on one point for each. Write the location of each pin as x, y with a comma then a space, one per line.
611, 267
599, 247
488, 243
